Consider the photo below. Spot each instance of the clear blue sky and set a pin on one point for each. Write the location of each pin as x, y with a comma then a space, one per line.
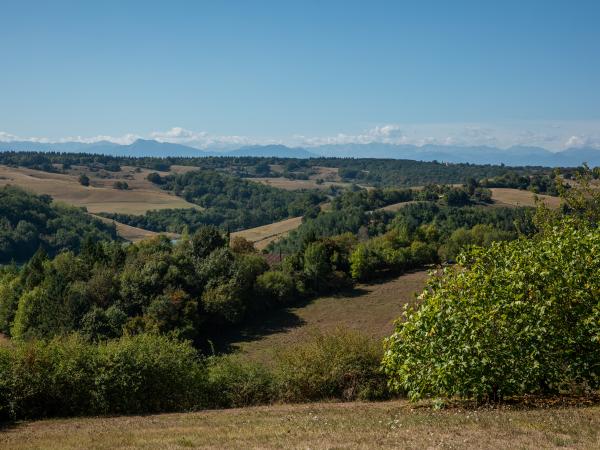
273, 69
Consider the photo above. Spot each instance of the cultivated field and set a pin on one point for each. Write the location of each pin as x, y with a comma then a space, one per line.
133, 234
264, 235
395, 207
517, 197
396, 424
368, 308
294, 185
100, 196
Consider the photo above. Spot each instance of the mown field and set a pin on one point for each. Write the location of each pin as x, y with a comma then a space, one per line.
395, 424
262, 236
517, 197
292, 185
100, 196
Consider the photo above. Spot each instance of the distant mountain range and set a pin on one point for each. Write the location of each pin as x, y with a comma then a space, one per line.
513, 156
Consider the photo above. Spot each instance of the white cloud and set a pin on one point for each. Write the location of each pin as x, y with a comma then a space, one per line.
583, 141
552, 135
204, 140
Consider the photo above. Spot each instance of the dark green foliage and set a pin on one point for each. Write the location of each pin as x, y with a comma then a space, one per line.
154, 177
538, 183
84, 180
121, 185
28, 222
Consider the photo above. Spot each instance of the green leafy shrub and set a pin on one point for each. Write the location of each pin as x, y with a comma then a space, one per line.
235, 382
515, 318
343, 365
69, 376
148, 373
275, 288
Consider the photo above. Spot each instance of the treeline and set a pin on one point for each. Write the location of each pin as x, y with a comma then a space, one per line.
29, 222
367, 171
538, 183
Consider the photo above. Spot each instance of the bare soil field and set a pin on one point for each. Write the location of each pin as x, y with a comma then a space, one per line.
100, 196
368, 308
394, 424
517, 197
264, 235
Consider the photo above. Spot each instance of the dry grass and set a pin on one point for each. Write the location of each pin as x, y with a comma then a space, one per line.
294, 185
396, 206
264, 235
100, 196
133, 234
325, 173
395, 424
369, 308
517, 197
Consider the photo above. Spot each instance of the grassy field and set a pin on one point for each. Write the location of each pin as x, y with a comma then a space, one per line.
294, 185
133, 234
395, 424
100, 196
264, 235
517, 197
368, 308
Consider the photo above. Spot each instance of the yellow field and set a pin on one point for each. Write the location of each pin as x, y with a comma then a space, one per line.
517, 197
356, 425
100, 196
133, 234
396, 206
264, 235
369, 308
294, 185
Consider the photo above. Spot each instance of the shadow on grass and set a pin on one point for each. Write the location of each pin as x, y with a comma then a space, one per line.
266, 323
256, 328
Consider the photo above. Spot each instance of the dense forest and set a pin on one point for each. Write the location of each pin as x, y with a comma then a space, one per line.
227, 201
29, 222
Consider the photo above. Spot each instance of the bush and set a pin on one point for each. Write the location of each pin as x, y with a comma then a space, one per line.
69, 376
121, 185
147, 373
84, 180
275, 288
515, 318
343, 365
235, 382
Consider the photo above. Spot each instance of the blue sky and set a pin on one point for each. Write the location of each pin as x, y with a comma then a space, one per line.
303, 72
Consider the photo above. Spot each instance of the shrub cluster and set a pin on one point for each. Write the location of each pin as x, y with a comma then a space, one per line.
69, 376
149, 373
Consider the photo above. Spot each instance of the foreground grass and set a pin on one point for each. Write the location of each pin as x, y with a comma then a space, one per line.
395, 424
